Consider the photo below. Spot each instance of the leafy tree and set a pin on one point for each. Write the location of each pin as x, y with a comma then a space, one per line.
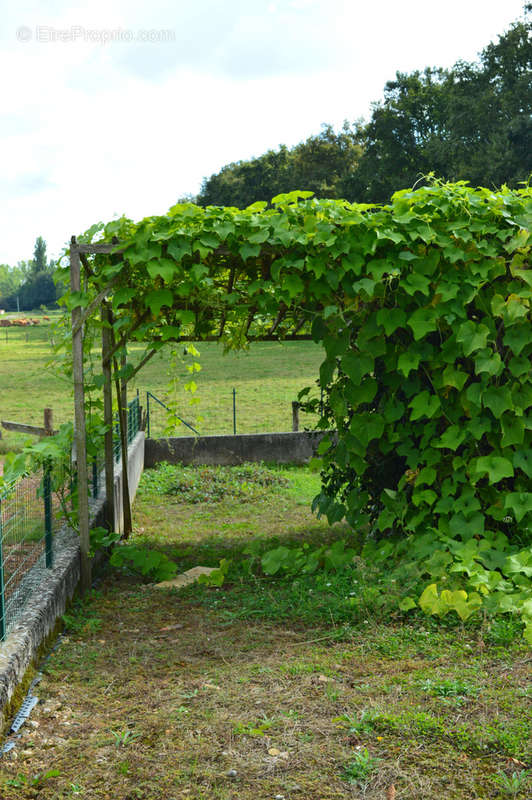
39, 263
471, 122
10, 279
317, 164
34, 283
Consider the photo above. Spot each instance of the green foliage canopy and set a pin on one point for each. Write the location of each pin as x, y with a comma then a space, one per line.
471, 122
423, 310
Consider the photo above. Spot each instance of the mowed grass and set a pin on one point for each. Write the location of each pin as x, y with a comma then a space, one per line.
261, 690
267, 378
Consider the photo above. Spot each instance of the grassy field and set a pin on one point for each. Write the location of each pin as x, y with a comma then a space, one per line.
266, 378
266, 687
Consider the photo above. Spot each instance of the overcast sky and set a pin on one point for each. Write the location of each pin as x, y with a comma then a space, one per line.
122, 106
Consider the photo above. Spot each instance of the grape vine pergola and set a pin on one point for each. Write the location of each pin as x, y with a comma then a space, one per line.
167, 284
423, 308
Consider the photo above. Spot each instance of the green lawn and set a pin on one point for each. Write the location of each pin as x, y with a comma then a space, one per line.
267, 378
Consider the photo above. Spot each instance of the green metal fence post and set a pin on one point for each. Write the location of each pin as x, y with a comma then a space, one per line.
47, 491
148, 413
2, 592
95, 476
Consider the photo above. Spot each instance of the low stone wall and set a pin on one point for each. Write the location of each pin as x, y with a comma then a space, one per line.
281, 448
55, 587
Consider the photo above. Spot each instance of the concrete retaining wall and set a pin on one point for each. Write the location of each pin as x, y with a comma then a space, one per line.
134, 472
55, 587
282, 448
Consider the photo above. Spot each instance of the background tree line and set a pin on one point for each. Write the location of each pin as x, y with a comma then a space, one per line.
30, 284
472, 122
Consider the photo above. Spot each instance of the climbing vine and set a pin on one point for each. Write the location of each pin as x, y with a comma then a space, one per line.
423, 309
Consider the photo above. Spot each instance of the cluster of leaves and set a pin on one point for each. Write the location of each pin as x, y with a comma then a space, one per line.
304, 560
429, 387
52, 451
423, 308
102, 539
53, 455
212, 484
468, 575
150, 565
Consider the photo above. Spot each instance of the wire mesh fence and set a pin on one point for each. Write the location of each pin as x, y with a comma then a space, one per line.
27, 513
134, 420
32, 512
236, 411
27, 330
134, 423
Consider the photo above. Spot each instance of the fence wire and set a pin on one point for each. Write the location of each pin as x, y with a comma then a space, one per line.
24, 545
32, 512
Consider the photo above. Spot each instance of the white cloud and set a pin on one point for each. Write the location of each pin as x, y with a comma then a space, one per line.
91, 130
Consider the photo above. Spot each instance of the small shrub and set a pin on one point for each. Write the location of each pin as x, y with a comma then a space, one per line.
150, 565
361, 768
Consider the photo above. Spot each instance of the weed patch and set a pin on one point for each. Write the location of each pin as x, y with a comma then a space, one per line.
212, 484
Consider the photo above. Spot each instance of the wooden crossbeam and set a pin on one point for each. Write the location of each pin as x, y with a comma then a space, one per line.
19, 427
33, 430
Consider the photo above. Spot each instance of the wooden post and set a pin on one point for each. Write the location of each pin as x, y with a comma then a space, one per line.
79, 421
124, 436
49, 421
107, 345
295, 415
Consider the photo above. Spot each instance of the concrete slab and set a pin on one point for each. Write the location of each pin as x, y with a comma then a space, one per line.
185, 578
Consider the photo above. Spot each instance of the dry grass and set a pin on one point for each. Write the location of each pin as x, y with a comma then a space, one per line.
163, 701
151, 696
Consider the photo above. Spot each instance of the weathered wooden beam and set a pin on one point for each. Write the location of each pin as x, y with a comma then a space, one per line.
79, 421
95, 249
85, 314
300, 337
126, 498
295, 415
121, 399
19, 427
48, 422
108, 417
